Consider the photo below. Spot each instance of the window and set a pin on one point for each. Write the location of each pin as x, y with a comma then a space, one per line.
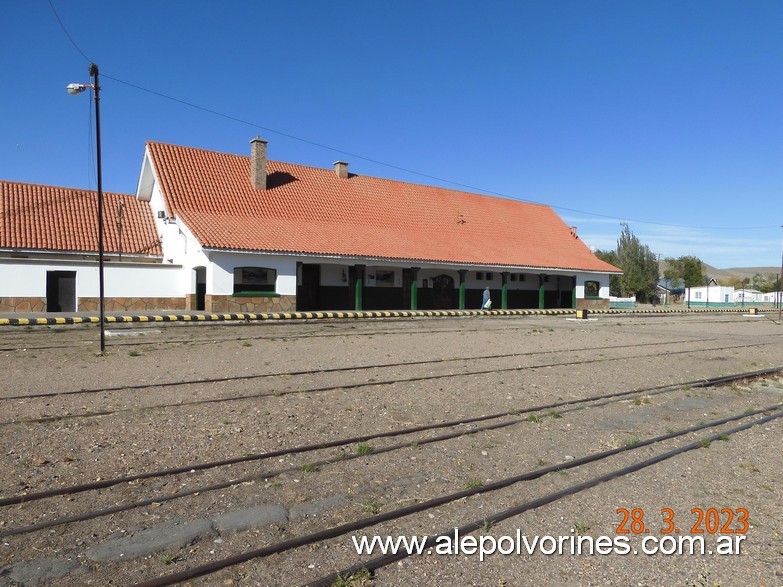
384, 278
254, 280
697, 295
488, 276
479, 275
513, 277
591, 289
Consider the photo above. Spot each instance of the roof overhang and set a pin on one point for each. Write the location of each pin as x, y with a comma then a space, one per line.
450, 264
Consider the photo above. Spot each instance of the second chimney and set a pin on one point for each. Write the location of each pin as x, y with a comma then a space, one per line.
258, 163
341, 169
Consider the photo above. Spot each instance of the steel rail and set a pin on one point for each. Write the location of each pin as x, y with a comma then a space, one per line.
351, 527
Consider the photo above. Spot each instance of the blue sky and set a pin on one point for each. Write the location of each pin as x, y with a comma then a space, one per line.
664, 114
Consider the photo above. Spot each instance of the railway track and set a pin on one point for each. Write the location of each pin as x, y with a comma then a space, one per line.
510, 418
709, 430
485, 441
13, 341
97, 413
494, 517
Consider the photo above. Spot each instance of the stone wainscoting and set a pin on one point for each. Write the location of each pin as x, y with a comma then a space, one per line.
25, 305
30, 305
592, 304
252, 304
132, 304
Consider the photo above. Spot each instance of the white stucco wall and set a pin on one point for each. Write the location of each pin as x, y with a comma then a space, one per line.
27, 278
715, 294
220, 280
603, 284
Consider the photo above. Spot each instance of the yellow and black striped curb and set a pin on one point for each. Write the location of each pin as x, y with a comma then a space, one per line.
250, 316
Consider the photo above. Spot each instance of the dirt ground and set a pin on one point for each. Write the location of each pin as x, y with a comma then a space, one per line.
178, 395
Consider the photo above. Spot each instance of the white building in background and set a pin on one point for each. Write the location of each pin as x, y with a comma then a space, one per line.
710, 295
748, 296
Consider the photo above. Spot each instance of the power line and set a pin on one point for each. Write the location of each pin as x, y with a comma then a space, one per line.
382, 163
67, 34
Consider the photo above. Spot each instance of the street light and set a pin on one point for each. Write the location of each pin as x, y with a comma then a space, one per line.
75, 89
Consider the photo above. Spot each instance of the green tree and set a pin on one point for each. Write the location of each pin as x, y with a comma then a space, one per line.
639, 265
764, 282
685, 271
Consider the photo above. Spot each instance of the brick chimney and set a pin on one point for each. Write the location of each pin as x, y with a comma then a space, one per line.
258, 163
341, 169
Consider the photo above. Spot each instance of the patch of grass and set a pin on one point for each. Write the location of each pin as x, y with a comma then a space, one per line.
632, 441
474, 484
541, 463
705, 443
555, 415
371, 508
310, 468
363, 448
414, 445
246, 343
581, 527
724, 437
487, 525
134, 354
169, 559
639, 401
670, 431
359, 579
535, 419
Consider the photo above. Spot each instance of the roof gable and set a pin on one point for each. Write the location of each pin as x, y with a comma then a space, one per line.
312, 211
48, 218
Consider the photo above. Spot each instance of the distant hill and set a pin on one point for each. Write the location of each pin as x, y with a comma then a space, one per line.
722, 274
740, 272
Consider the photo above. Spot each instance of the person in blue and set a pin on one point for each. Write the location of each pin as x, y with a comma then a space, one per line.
486, 303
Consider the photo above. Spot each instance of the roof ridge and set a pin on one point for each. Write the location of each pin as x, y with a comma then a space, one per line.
62, 187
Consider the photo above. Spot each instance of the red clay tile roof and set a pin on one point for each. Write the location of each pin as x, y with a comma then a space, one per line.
47, 218
312, 211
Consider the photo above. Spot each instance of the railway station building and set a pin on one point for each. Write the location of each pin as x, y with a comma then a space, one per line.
49, 252
234, 233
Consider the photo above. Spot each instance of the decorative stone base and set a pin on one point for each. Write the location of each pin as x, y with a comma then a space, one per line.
257, 305
602, 304
23, 305
131, 304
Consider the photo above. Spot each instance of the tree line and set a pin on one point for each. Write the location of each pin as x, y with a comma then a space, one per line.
641, 269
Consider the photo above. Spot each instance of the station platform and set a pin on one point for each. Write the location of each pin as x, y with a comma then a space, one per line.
114, 318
